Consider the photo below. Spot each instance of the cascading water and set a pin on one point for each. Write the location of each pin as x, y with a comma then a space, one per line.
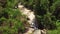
31, 19
29, 14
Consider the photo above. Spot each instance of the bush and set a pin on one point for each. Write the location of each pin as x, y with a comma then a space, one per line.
10, 22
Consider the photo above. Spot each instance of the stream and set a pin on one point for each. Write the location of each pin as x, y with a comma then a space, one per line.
32, 20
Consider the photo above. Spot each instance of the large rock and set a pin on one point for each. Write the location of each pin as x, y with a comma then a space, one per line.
30, 31
44, 31
29, 14
37, 31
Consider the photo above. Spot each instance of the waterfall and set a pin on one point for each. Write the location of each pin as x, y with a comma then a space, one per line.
31, 20
29, 14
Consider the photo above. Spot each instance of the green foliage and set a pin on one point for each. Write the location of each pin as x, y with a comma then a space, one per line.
44, 11
56, 31
10, 18
12, 3
12, 12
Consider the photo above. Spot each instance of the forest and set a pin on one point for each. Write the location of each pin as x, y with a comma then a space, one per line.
47, 13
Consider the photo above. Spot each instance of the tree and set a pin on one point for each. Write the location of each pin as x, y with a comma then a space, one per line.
10, 22
45, 9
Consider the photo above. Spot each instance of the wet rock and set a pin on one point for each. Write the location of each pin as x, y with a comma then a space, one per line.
29, 14
30, 31
38, 31
44, 31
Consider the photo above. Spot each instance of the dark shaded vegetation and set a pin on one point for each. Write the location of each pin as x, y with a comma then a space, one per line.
10, 22
57, 13
45, 11
3, 3
47, 14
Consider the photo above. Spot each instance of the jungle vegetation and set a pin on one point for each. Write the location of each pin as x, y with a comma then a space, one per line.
47, 14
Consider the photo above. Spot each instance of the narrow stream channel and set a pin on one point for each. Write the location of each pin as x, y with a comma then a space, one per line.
32, 19
30, 15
